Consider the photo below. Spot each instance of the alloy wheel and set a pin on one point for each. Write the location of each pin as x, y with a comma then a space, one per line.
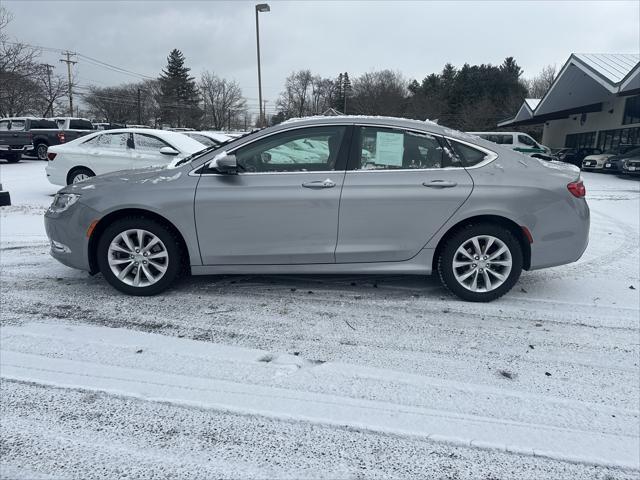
138, 258
482, 263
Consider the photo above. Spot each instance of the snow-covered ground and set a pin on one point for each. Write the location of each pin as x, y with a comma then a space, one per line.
322, 377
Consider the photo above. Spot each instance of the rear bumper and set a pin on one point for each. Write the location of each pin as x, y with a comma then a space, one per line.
564, 236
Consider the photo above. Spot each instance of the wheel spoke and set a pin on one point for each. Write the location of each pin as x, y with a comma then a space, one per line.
499, 276
157, 255
158, 266
127, 241
474, 283
119, 261
125, 271
487, 280
487, 245
140, 237
498, 252
118, 248
466, 275
458, 263
476, 246
505, 263
136, 279
464, 252
150, 245
147, 273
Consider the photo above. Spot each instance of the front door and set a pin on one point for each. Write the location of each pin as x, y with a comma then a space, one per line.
400, 188
281, 207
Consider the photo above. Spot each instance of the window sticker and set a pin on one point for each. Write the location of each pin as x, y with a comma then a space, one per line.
389, 148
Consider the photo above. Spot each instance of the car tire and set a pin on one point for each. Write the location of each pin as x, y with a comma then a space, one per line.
472, 248
78, 175
41, 151
163, 262
14, 157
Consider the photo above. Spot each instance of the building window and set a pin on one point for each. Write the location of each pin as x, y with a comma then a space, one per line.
580, 140
631, 110
610, 140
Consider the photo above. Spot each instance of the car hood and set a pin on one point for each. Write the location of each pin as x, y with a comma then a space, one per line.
151, 175
600, 156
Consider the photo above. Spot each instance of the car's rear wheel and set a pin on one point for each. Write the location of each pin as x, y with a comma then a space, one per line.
41, 151
480, 263
78, 175
139, 256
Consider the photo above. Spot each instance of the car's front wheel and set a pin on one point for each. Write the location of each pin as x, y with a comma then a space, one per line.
480, 263
139, 256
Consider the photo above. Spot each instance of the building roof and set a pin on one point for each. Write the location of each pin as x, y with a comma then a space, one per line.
585, 81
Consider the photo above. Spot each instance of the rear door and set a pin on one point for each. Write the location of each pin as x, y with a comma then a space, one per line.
400, 188
107, 152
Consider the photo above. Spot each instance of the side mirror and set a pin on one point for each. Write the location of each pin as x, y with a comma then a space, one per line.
224, 163
169, 151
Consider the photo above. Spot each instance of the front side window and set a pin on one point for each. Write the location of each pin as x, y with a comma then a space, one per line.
527, 141
17, 125
302, 150
394, 149
506, 139
148, 143
203, 139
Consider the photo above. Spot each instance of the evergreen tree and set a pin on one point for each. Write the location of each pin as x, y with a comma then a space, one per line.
346, 91
179, 96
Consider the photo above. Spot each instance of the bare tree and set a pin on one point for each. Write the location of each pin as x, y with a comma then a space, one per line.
540, 84
306, 94
382, 92
223, 101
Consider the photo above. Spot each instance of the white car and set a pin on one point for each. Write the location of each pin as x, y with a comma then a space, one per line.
111, 150
596, 162
210, 139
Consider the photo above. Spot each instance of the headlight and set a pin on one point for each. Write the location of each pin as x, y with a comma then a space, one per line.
62, 201
625, 163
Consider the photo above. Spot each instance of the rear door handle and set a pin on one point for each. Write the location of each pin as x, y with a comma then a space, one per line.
439, 184
328, 183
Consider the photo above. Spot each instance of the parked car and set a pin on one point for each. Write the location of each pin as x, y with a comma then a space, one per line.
518, 141
14, 139
575, 156
597, 162
111, 150
209, 139
65, 130
615, 163
630, 162
300, 197
107, 126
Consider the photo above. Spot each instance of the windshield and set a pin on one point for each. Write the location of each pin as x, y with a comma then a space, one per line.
200, 153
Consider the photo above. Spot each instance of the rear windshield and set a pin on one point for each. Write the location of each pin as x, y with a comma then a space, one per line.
16, 125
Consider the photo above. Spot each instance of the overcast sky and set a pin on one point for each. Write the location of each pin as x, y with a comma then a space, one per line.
416, 38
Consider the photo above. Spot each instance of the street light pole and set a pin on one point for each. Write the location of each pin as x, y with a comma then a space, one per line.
261, 7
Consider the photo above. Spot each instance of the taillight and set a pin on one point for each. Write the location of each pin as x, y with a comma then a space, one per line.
51, 156
577, 189
61, 137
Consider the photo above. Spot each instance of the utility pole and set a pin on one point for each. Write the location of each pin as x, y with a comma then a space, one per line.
69, 62
139, 110
49, 100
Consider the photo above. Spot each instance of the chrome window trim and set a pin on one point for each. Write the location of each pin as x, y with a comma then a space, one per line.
491, 155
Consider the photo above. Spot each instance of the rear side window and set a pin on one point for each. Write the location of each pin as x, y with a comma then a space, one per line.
80, 125
43, 124
206, 141
394, 149
470, 156
527, 140
4, 125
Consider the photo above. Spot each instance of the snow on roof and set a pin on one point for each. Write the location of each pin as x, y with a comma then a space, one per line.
612, 66
358, 117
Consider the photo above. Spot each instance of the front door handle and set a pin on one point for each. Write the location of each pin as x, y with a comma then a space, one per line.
328, 183
439, 184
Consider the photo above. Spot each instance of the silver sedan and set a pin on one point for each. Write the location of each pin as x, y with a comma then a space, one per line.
329, 195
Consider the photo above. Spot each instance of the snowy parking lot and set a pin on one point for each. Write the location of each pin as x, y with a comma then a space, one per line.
320, 376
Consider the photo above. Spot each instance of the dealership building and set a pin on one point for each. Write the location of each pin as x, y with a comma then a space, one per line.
593, 102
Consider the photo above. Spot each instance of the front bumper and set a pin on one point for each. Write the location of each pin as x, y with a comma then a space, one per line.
67, 233
632, 169
21, 149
